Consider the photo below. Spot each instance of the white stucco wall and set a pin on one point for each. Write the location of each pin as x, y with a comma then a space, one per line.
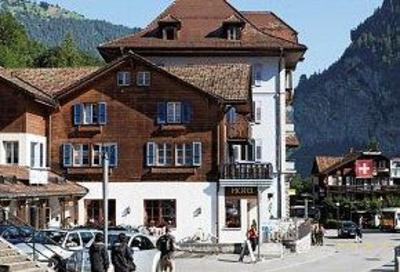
189, 196
24, 140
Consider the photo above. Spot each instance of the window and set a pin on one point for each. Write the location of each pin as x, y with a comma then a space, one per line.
73, 240
37, 155
231, 115
90, 113
160, 212
289, 79
174, 112
164, 154
94, 213
257, 111
233, 33
161, 154
232, 212
143, 79
80, 155
11, 151
96, 155
257, 74
258, 150
123, 78
395, 169
169, 33
86, 237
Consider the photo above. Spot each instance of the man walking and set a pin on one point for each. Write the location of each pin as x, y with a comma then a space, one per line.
122, 255
358, 235
166, 245
98, 255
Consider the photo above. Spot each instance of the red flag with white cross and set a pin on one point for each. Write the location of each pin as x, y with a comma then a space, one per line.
364, 168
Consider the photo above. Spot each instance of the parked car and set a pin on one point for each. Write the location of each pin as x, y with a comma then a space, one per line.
347, 229
145, 254
54, 246
15, 234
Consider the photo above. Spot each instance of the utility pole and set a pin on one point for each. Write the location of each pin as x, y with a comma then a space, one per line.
105, 195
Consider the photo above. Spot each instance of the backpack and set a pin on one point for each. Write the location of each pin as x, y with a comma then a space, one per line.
165, 244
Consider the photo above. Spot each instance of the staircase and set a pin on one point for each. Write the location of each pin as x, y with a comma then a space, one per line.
12, 260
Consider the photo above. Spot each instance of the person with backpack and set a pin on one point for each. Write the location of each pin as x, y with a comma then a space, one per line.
166, 245
99, 260
122, 255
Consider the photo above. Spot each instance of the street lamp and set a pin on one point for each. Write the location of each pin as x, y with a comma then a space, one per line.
337, 213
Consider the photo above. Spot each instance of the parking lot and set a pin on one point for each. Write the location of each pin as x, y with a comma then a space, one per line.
375, 254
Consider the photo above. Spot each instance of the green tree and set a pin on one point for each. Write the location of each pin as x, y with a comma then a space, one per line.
301, 185
66, 55
16, 49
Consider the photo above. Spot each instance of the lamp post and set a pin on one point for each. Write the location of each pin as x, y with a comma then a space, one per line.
337, 214
105, 195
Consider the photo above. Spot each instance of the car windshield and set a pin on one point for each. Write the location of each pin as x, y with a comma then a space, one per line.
348, 225
112, 239
49, 237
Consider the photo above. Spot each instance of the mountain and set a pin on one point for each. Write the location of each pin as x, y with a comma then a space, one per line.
357, 98
50, 24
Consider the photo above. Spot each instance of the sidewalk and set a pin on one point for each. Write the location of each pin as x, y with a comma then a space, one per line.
229, 263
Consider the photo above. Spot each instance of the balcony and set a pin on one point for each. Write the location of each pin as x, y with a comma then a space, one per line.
38, 176
246, 174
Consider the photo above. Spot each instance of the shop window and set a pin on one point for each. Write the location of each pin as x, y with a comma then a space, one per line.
160, 212
94, 209
232, 213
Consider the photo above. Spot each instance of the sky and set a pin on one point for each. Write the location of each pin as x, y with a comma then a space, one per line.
323, 25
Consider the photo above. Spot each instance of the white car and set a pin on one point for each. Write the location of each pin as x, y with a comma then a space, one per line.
146, 255
54, 245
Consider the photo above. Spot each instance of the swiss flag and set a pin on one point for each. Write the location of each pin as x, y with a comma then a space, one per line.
364, 168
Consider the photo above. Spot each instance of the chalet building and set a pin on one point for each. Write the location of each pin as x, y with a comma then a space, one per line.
194, 113
356, 176
27, 188
192, 32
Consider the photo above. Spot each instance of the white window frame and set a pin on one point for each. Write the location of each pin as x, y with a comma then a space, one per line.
143, 79
174, 112
258, 156
87, 114
123, 78
14, 154
183, 154
258, 112
96, 154
77, 152
37, 156
233, 33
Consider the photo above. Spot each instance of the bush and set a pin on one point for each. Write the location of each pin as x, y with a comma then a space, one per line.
332, 224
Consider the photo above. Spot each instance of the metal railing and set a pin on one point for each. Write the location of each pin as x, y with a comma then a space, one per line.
19, 224
250, 171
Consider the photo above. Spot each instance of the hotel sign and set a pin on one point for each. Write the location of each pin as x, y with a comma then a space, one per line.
241, 191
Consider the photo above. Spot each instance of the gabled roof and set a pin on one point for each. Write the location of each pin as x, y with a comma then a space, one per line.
52, 80
269, 22
201, 29
30, 90
231, 82
325, 162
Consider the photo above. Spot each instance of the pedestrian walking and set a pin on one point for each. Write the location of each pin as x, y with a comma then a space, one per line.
122, 255
252, 237
166, 245
358, 238
320, 235
98, 255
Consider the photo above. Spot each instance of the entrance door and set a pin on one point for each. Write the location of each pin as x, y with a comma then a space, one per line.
252, 212
33, 216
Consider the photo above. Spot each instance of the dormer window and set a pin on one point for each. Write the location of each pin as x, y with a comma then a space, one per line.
233, 33
233, 28
169, 33
169, 26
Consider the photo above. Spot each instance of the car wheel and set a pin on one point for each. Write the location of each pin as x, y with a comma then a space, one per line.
55, 263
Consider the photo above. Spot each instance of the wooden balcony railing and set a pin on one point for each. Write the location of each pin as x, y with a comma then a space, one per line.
238, 131
249, 171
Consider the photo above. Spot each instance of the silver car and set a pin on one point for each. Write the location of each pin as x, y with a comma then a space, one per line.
146, 255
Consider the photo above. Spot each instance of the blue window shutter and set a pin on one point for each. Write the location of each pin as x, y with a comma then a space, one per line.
112, 155
197, 153
151, 154
161, 113
67, 155
78, 114
187, 112
102, 113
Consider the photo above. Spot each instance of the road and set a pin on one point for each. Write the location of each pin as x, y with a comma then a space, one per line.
375, 254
